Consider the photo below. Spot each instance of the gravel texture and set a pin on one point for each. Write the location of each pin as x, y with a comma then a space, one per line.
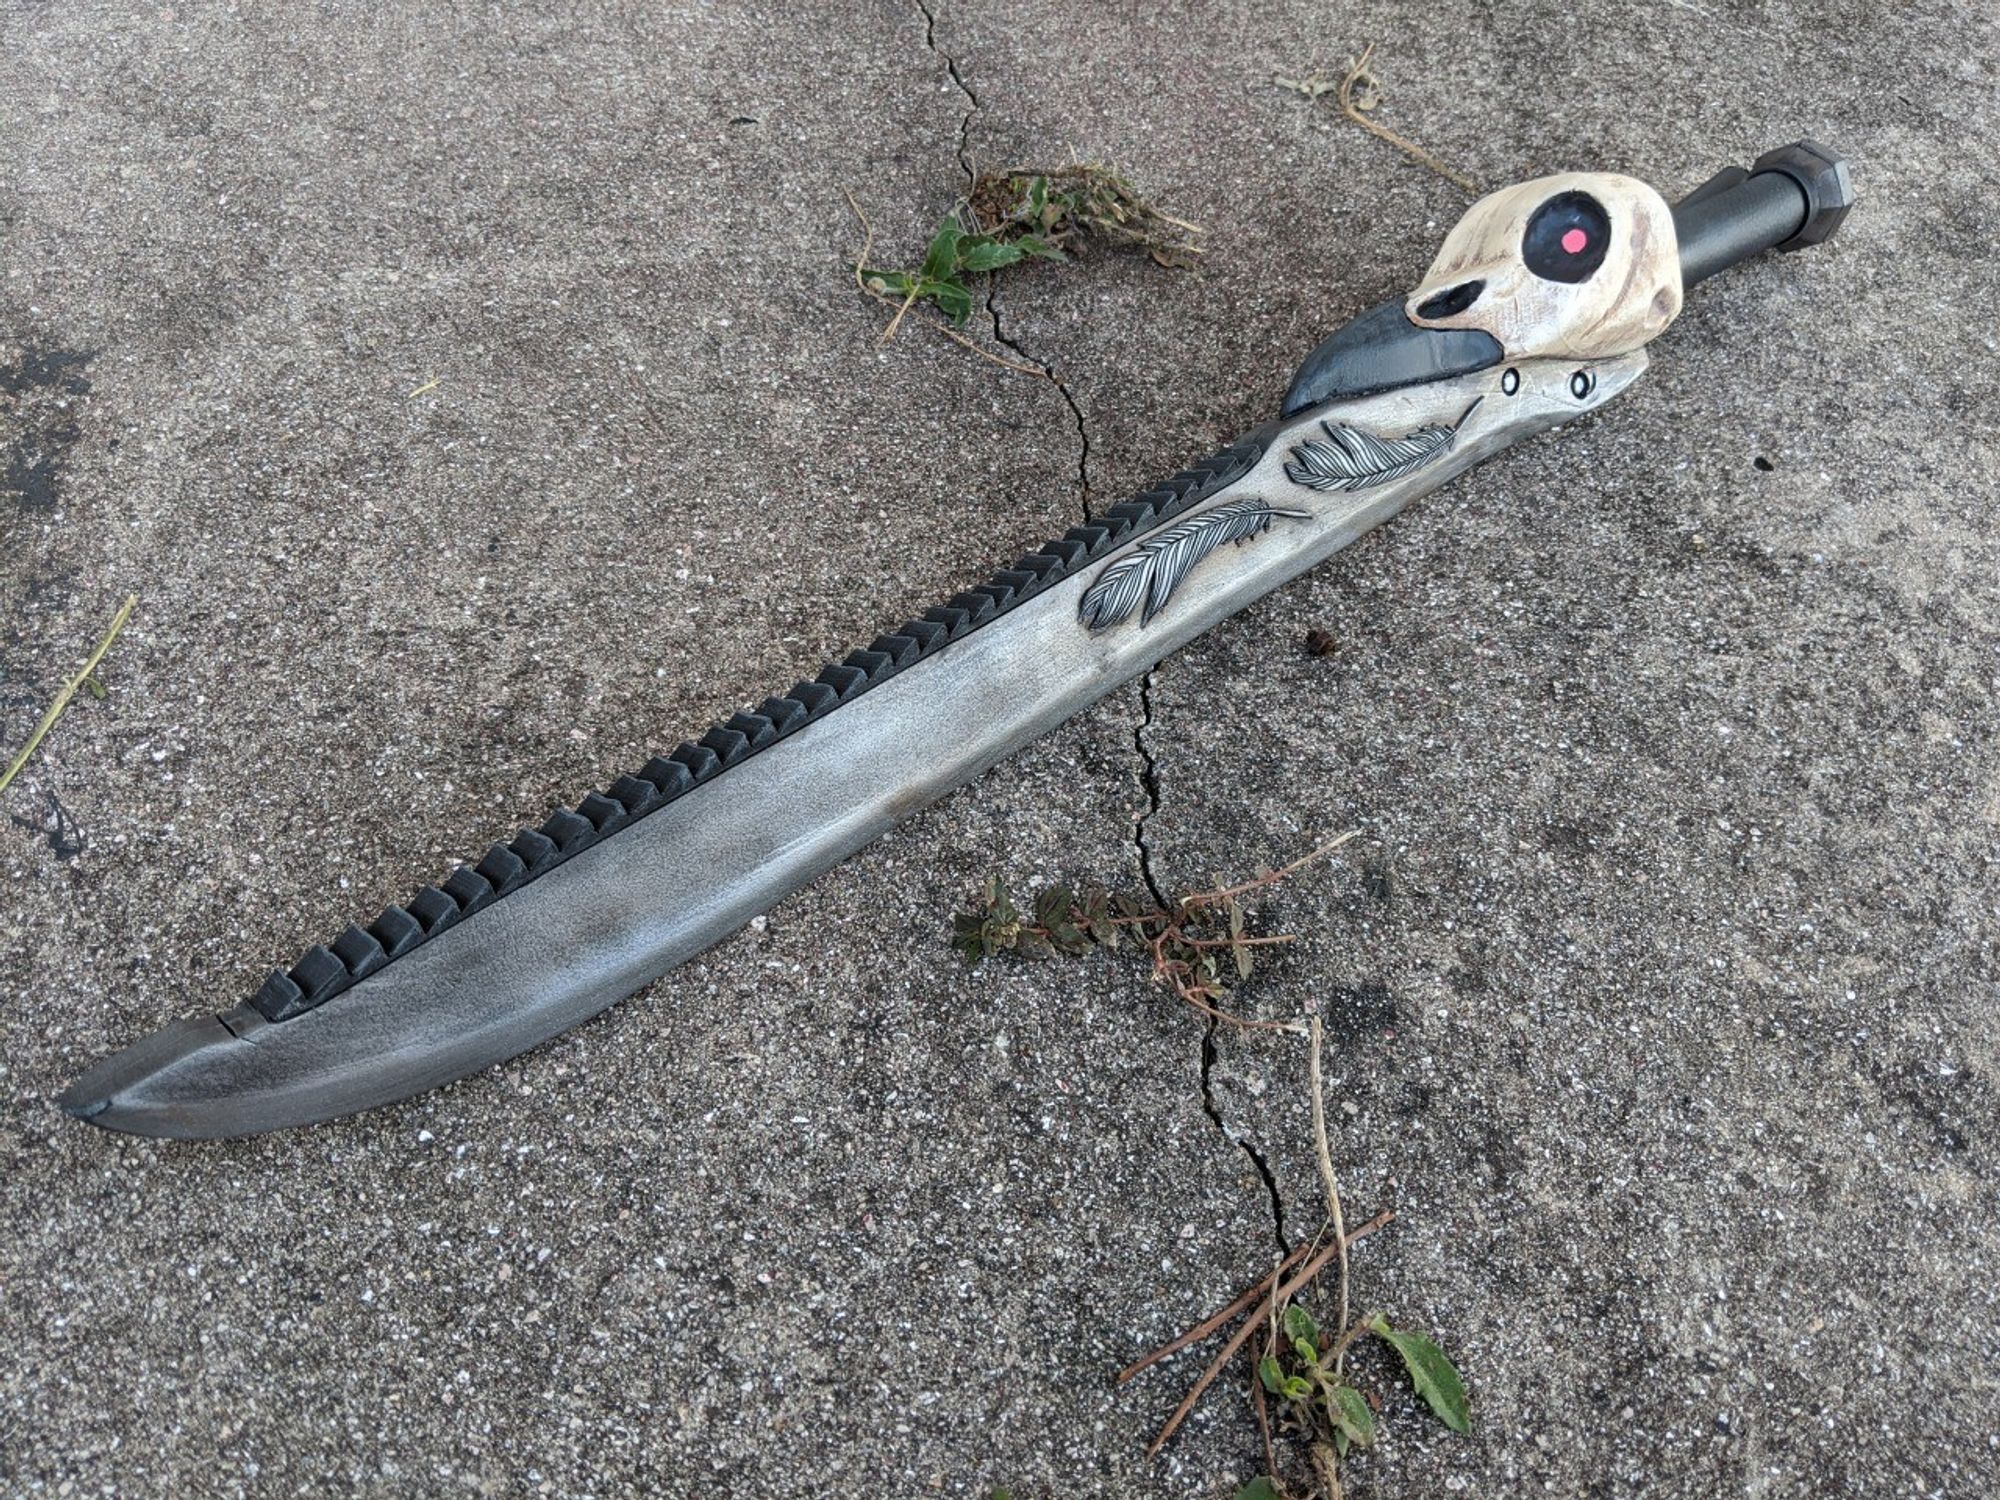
479, 401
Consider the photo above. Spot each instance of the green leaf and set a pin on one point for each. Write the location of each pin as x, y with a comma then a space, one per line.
1096, 913
889, 283
1297, 1388
952, 298
1340, 1441
95, 688
1041, 249
1052, 906
989, 255
943, 252
1299, 1325
1434, 1376
1033, 945
1350, 1413
1272, 1376
1259, 1488
999, 903
1069, 939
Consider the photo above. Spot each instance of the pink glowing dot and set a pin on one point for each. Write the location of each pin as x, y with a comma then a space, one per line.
1574, 240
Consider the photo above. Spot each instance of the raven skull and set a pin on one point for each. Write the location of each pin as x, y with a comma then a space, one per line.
1581, 265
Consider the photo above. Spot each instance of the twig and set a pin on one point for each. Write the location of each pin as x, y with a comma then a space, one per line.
1283, 1294
1210, 898
868, 243
1242, 942
69, 691
1202, 1330
1355, 110
1354, 1331
1326, 1178
896, 322
1257, 1387
1264, 1424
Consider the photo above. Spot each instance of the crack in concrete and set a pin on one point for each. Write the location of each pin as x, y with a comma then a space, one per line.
1000, 335
1149, 775
1149, 778
971, 99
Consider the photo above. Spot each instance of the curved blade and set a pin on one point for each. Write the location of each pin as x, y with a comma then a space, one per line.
620, 912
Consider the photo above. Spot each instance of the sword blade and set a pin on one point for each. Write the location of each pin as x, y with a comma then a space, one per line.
622, 912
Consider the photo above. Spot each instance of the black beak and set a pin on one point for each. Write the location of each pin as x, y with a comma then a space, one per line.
1382, 350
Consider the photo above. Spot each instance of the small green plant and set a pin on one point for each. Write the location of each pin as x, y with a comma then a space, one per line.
1305, 1371
1199, 947
955, 254
1011, 217
1301, 1364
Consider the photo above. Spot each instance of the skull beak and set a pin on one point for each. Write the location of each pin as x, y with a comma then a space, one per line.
1382, 350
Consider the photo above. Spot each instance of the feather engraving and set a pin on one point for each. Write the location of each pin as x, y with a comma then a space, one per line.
1152, 573
1350, 459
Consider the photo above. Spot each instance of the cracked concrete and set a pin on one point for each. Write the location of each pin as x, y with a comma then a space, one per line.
1149, 779
1668, 1032
1000, 335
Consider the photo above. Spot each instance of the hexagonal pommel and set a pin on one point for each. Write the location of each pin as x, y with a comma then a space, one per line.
1823, 178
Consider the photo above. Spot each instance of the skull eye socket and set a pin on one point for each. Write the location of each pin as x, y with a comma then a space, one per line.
1566, 238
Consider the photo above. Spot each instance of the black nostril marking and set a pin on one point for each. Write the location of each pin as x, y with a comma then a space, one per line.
1451, 300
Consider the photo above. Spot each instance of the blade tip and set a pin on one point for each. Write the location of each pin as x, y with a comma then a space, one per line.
83, 1104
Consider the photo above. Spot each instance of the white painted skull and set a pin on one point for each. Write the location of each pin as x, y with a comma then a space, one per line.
1581, 265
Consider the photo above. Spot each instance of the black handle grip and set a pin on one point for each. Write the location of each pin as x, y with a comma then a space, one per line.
1790, 198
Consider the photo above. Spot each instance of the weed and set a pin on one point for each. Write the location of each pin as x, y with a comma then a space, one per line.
1083, 201
1199, 946
86, 677
1018, 216
1359, 93
955, 253
1302, 1364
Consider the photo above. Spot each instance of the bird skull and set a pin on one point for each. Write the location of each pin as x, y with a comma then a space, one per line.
1582, 265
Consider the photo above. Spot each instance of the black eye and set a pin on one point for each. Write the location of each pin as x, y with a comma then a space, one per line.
1582, 383
1510, 382
1566, 238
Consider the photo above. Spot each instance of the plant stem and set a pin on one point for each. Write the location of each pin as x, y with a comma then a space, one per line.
69, 691
1285, 1292
1358, 74
1328, 1181
1202, 1330
1211, 897
867, 244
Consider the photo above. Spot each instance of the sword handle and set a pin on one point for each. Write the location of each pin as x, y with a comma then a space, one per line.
1790, 198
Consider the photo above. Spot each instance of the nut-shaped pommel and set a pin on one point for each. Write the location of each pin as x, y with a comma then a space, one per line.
1823, 178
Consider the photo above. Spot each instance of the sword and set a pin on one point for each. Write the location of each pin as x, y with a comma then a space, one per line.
1536, 311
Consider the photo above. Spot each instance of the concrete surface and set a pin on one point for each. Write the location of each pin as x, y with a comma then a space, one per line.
1662, 975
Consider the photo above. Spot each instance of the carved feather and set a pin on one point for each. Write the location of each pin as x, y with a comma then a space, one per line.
1351, 459
1152, 572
